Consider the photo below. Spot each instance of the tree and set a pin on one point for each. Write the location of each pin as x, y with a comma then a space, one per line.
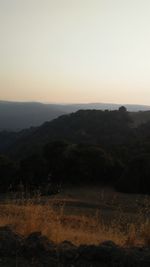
122, 109
8, 171
136, 176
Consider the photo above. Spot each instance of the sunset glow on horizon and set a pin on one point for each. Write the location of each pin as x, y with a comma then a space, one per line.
75, 51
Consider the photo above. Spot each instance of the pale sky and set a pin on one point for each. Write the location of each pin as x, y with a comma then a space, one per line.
75, 50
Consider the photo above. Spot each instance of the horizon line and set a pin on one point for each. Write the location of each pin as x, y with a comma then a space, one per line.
73, 103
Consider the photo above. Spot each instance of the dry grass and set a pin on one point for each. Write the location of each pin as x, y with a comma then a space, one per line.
26, 217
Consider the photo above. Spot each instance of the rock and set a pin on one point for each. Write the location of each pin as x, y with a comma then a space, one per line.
10, 242
67, 252
37, 251
37, 244
109, 243
98, 253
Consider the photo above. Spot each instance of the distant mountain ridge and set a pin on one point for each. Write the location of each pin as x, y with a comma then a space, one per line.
15, 116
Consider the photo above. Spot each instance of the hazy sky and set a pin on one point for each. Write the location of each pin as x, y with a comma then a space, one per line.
75, 50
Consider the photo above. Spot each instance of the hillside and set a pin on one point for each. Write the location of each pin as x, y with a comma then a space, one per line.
106, 128
87, 126
85, 147
15, 116
140, 117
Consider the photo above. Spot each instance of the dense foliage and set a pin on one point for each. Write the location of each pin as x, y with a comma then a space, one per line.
86, 147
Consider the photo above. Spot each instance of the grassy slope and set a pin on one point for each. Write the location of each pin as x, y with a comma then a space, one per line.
87, 216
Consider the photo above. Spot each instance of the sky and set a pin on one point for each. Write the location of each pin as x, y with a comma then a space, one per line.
69, 51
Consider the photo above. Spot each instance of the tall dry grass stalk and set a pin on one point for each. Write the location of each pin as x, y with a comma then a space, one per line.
26, 217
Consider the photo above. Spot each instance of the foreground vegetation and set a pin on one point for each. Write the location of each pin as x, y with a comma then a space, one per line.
110, 217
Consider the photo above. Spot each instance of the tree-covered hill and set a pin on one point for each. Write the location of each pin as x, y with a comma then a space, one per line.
15, 116
88, 146
84, 126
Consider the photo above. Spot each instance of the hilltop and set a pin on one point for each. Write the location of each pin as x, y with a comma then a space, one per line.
15, 116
